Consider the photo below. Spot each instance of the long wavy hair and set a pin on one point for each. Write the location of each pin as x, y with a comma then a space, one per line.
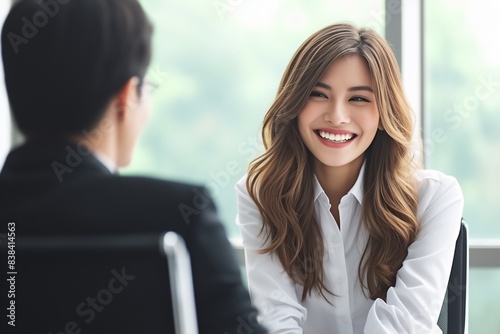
280, 181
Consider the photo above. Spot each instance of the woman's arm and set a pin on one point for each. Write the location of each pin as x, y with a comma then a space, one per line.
271, 289
414, 303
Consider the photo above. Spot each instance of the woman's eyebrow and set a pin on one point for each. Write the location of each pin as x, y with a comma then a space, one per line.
323, 85
350, 89
357, 88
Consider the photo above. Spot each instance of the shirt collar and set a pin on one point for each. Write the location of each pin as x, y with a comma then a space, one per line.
356, 190
107, 162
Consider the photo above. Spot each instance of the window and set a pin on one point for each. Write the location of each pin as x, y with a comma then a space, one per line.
483, 300
461, 103
462, 99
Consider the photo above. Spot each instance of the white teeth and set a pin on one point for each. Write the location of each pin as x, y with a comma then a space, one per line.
338, 138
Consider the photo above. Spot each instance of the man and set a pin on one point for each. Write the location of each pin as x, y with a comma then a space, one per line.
74, 72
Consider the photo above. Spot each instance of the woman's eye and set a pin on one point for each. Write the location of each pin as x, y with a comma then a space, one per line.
358, 99
318, 94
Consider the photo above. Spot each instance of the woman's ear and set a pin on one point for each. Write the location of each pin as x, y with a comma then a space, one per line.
127, 98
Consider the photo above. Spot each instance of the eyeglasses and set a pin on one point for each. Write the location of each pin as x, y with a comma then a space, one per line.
148, 86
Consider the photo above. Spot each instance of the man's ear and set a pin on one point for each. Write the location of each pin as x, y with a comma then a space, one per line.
127, 98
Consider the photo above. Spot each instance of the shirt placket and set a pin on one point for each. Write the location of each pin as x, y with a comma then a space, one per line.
336, 268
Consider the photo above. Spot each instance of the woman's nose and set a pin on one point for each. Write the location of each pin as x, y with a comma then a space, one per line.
337, 115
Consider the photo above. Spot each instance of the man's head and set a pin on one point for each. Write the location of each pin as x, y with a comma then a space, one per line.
67, 62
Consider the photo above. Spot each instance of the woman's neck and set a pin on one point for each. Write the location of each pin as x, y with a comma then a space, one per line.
337, 181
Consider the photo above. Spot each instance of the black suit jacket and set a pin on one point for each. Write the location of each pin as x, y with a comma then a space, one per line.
58, 188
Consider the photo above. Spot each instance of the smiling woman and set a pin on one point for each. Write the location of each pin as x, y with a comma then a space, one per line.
339, 227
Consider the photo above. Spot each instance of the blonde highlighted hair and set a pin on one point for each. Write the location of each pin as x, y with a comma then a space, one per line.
280, 181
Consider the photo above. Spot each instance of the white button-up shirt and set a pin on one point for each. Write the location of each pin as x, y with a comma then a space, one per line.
411, 306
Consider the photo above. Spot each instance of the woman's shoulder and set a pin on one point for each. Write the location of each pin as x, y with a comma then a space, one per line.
241, 184
433, 178
436, 187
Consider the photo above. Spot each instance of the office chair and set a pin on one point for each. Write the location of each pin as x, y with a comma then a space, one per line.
454, 312
181, 284
104, 284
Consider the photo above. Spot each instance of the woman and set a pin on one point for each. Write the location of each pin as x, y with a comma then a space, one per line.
342, 232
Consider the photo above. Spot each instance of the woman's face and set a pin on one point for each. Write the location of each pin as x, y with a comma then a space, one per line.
340, 119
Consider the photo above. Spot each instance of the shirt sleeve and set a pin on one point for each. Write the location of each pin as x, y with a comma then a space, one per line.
414, 303
271, 289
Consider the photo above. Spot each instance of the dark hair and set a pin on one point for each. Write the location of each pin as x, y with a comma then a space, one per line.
65, 59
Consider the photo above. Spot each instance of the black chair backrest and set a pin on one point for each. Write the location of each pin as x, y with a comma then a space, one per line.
453, 316
96, 284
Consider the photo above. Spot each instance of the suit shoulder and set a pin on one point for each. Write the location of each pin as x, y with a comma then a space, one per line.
148, 186
148, 195
156, 182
